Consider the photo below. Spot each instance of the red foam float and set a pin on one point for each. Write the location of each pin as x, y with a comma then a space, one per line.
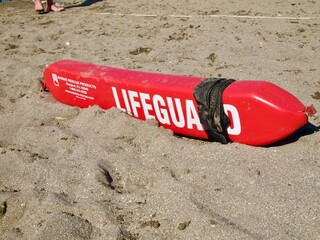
260, 112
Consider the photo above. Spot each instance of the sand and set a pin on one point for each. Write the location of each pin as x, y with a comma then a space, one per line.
70, 173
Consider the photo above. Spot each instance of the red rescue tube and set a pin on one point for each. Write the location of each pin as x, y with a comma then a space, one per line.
260, 112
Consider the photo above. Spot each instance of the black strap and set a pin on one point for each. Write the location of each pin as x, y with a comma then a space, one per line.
208, 95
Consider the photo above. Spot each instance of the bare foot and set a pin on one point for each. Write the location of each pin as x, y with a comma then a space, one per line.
52, 7
56, 9
38, 6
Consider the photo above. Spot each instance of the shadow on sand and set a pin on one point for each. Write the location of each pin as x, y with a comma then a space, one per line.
307, 129
86, 3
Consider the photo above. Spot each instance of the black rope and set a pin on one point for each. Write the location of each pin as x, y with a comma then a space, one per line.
208, 95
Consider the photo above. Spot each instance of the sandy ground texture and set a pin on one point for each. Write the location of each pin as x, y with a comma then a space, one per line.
70, 173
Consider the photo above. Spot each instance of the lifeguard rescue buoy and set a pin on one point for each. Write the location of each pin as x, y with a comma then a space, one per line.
260, 112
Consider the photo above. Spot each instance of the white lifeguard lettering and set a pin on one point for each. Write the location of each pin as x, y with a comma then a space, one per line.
181, 113
192, 116
161, 113
181, 122
116, 99
126, 102
146, 106
233, 114
134, 103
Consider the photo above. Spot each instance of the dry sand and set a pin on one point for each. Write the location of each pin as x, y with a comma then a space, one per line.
69, 173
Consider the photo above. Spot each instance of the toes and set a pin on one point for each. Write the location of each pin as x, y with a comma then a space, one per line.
56, 9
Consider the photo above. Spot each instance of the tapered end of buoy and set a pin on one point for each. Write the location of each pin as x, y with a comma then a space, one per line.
266, 112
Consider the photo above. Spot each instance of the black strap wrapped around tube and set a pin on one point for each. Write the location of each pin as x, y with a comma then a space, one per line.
208, 95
